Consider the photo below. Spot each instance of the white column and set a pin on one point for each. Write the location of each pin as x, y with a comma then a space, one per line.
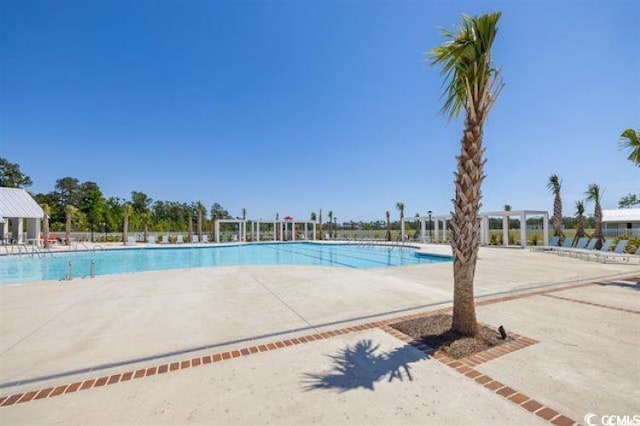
217, 231
436, 229
482, 241
258, 231
275, 224
445, 231
505, 231
293, 231
402, 229
423, 230
523, 230
306, 230
282, 229
314, 231
485, 236
545, 229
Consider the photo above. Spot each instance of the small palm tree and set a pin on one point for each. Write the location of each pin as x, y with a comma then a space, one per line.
507, 208
330, 214
554, 185
244, 214
594, 194
472, 84
630, 139
45, 225
125, 228
312, 217
400, 207
388, 236
580, 219
69, 211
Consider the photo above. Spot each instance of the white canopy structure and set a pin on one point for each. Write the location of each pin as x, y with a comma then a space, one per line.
283, 230
242, 228
16, 208
439, 236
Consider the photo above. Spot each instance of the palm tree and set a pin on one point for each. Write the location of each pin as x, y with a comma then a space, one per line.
330, 214
125, 229
472, 83
554, 185
244, 214
70, 212
199, 226
594, 194
507, 208
388, 226
400, 206
45, 224
190, 225
580, 219
630, 139
320, 236
312, 217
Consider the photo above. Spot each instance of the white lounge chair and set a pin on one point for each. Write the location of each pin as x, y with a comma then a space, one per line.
553, 243
151, 239
131, 241
620, 247
625, 257
179, 239
194, 239
205, 238
606, 246
164, 239
580, 245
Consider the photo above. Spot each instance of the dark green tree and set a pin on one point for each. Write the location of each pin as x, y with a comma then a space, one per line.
11, 176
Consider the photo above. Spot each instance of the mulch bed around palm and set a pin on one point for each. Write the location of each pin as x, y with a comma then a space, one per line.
435, 331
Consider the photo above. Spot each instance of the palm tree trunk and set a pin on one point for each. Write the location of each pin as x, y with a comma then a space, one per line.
557, 215
46, 228
466, 228
597, 215
67, 229
580, 225
125, 228
200, 225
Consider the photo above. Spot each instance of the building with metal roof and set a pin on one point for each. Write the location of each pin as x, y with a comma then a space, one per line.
17, 208
621, 222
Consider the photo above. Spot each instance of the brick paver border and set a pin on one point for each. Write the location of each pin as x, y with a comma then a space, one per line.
463, 366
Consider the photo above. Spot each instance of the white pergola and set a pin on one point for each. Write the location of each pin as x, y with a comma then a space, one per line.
16, 208
506, 215
484, 225
286, 228
242, 228
436, 220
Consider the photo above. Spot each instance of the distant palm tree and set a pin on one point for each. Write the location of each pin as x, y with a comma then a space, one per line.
594, 194
200, 208
190, 225
244, 214
47, 213
125, 228
69, 211
320, 236
330, 214
400, 207
312, 217
507, 208
471, 83
388, 226
554, 185
630, 139
580, 219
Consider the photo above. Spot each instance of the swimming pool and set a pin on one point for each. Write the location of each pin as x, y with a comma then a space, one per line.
54, 266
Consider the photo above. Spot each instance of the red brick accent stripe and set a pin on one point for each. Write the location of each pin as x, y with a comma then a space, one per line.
487, 381
599, 305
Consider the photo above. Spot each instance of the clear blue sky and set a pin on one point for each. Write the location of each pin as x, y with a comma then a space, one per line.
289, 106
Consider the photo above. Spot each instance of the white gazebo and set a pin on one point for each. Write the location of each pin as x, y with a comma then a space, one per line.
439, 236
17, 207
506, 215
242, 228
286, 229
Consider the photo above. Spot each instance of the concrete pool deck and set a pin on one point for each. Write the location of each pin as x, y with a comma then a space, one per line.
54, 333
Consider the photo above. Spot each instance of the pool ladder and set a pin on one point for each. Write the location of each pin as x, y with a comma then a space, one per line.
69, 272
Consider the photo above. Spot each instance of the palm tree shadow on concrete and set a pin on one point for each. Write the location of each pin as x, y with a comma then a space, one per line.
362, 366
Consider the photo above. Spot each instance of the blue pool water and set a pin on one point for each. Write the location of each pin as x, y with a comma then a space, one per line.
53, 267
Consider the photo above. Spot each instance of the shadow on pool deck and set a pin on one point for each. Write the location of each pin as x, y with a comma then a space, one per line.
359, 366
